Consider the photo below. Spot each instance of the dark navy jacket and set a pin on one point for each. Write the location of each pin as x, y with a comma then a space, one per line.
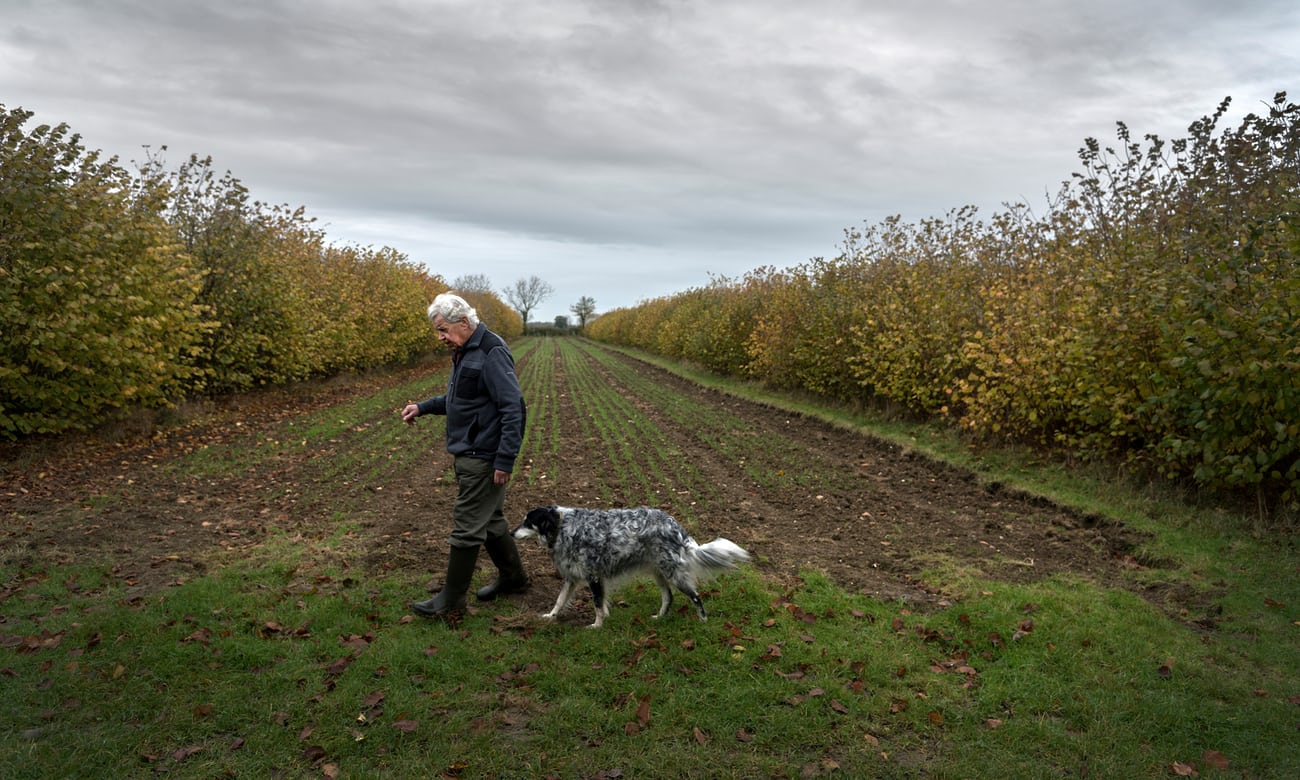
483, 403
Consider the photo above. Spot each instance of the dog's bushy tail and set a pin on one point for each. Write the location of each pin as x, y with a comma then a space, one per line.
718, 555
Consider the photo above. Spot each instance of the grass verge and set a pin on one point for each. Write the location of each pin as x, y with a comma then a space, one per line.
255, 670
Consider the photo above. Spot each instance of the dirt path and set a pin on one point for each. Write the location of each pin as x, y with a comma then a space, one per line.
874, 517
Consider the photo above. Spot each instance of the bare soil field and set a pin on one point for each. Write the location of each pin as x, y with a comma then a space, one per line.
874, 516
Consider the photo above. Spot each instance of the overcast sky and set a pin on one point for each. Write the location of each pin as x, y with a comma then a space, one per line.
629, 149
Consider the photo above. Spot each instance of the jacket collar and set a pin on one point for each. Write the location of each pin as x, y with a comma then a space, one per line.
473, 342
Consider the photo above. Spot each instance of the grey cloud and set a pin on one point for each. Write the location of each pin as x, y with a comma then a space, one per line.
643, 145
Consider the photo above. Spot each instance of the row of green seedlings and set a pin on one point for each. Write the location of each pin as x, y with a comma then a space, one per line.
716, 428
368, 442
591, 402
640, 458
361, 442
364, 441
537, 365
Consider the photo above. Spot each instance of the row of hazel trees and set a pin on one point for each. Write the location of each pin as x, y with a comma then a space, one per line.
126, 288
98, 305
1152, 313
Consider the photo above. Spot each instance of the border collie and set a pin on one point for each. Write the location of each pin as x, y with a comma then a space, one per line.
605, 547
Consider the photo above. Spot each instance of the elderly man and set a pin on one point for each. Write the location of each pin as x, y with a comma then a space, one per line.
485, 428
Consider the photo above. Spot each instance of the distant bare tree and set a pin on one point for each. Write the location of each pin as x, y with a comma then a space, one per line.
472, 283
583, 310
526, 295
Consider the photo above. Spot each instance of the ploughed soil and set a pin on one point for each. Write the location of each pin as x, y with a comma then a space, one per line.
878, 519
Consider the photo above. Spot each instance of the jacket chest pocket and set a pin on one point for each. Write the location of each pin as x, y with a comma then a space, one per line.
469, 384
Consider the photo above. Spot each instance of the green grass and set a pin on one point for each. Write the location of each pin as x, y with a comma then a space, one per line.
289, 664
257, 668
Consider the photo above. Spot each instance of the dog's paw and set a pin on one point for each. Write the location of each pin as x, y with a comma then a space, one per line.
547, 616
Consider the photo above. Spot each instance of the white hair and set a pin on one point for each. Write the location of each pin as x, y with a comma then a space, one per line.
453, 308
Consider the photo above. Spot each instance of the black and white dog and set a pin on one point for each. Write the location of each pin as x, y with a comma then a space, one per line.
604, 547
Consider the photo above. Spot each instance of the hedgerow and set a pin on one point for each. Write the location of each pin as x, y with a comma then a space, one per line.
123, 289
97, 300
1152, 313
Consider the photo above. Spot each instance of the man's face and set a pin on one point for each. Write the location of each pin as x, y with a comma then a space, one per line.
453, 334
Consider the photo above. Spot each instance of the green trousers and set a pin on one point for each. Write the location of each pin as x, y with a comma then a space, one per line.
479, 512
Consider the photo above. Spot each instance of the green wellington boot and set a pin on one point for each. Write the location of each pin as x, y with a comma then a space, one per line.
510, 570
460, 569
